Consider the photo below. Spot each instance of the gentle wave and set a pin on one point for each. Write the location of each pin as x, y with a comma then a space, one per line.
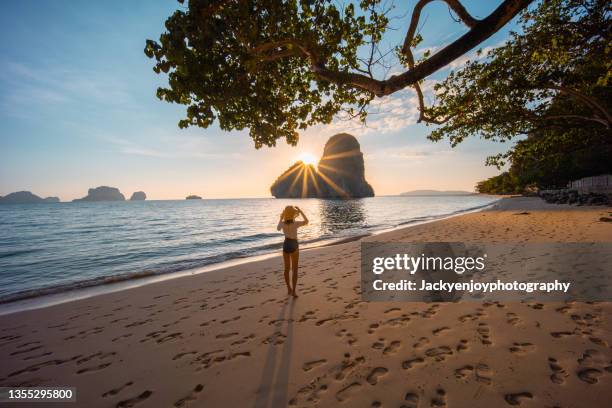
15, 253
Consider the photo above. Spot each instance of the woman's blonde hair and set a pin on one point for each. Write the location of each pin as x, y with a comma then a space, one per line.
289, 213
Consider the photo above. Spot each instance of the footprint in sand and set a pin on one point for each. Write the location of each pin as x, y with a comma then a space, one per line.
536, 306
484, 333
515, 399
244, 339
399, 321
346, 392
408, 364
138, 323
181, 355
323, 321
313, 364
40, 365
309, 315
169, 337
561, 334
117, 390
598, 341
411, 400
440, 399
558, 373
373, 327
439, 353
230, 320
513, 319
484, 374
347, 367
379, 345
522, 348
94, 368
35, 356
592, 364
467, 317
124, 336
133, 401
375, 374
392, 347
226, 335
589, 375
193, 395
440, 330
100, 355
462, 345
22, 350
421, 342
350, 339
312, 392
464, 372
563, 309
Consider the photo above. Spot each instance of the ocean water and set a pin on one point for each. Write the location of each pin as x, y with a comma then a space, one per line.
47, 248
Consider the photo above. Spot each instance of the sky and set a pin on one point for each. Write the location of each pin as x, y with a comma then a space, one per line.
78, 110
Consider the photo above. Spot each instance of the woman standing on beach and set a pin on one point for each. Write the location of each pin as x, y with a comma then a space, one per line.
291, 249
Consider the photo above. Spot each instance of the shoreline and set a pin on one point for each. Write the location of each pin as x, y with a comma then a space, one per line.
86, 289
185, 342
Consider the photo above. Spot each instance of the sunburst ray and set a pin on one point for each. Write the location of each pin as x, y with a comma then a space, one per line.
333, 185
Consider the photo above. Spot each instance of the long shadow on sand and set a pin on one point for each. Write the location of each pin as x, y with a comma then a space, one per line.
274, 384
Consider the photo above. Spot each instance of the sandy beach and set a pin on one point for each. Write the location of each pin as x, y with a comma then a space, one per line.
232, 337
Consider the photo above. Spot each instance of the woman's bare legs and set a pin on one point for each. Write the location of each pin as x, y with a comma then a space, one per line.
295, 257
287, 260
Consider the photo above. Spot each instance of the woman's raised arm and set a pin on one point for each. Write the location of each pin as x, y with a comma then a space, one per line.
303, 216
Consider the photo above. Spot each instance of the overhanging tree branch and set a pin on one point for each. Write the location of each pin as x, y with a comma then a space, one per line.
463, 15
456, 6
588, 100
480, 30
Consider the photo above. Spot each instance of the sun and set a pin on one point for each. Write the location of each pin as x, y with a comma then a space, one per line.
307, 158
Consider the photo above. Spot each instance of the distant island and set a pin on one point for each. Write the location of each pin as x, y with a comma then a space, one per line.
193, 197
102, 193
339, 174
138, 196
427, 193
26, 197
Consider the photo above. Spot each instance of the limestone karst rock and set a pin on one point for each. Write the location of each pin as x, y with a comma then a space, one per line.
103, 193
25, 197
339, 174
138, 196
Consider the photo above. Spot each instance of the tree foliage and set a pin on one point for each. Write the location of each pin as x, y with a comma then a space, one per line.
555, 74
550, 159
280, 66
550, 83
504, 183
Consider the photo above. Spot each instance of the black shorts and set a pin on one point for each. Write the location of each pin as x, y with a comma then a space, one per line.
290, 245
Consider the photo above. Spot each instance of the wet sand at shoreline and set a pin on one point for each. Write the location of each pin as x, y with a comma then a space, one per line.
233, 338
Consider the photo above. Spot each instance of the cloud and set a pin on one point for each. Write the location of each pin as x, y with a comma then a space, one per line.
385, 115
408, 153
388, 114
170, 147
472, 56
419, 52
27, 85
